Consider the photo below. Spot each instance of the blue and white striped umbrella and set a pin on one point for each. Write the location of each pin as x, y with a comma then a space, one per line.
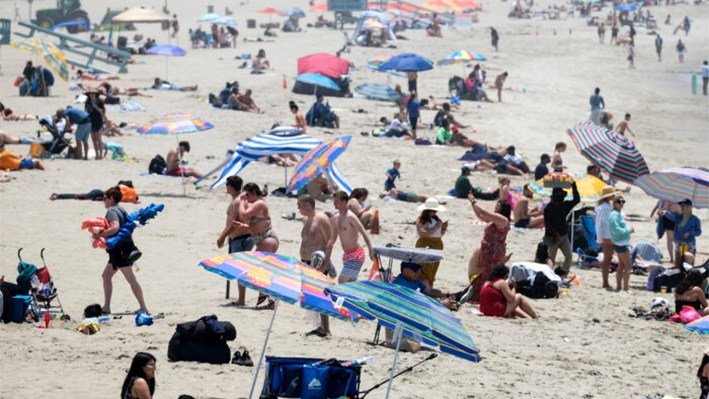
226, 21
376, 91
208, 17
676, 184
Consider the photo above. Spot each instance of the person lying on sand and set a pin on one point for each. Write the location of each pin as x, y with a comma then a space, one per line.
8, 115
11, 161
402, 196
7, 139
160, 84
89, 76
115, 90
280, 160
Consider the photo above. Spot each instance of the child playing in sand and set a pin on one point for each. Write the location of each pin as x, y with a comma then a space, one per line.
392, 173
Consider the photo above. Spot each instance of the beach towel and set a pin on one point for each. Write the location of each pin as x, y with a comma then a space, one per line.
127, 106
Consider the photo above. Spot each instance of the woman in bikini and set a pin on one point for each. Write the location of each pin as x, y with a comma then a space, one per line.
299, 118
9, 116
254, 212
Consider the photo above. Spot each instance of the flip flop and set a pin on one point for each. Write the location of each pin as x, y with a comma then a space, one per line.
317, 333
269, 306
261, 299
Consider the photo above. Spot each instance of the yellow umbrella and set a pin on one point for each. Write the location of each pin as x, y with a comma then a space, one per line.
50, 52
27, 45
589, 188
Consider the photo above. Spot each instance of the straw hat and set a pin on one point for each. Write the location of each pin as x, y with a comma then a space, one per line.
432, 204
607, 192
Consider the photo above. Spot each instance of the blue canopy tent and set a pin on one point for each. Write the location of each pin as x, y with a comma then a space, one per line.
270, 144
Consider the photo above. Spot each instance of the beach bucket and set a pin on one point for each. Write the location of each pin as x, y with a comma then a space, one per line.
20, 303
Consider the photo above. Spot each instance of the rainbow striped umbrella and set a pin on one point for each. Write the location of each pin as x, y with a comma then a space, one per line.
676, 184
175, 126
421, 317
700, 326
609, 150
462, 56
316, 161
375, 91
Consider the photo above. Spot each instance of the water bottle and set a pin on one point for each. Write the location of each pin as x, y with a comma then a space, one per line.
359, 362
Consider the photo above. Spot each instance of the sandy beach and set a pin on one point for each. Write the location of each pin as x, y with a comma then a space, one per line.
583, 346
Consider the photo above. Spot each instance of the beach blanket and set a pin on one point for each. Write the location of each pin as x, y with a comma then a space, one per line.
126, 106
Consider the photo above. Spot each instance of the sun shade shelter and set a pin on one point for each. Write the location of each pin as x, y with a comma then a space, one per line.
141, 14
266, 144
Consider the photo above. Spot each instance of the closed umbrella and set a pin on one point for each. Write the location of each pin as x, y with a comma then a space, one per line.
280, 277
676, 184
609, 150
316, 162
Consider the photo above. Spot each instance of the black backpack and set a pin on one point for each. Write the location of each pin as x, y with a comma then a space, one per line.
157, 165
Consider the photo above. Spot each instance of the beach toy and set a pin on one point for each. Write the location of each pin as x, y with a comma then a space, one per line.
474, 130
47, 319
143, 319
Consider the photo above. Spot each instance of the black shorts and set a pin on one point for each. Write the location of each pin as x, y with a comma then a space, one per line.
414, 122
119, 255
412, 86
667, 223
522, 224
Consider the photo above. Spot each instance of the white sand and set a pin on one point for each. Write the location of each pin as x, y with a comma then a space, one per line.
608, 355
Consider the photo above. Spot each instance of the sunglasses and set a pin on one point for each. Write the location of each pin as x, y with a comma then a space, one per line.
620, 202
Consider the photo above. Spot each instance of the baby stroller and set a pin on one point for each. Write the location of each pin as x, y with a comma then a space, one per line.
38, 283
57, 144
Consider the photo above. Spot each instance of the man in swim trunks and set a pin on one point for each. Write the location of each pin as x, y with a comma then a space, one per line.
403, 196
525, 217
240, 239
316, 233
174, 161
624, 125
348, 228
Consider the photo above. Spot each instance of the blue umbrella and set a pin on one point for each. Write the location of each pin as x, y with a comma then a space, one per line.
293, 12
228, 21
317, 80
167, 50
407, 62
208, 17
626, 7
376, 91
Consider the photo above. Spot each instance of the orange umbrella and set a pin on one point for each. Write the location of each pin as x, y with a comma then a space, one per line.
319, 7
463, 4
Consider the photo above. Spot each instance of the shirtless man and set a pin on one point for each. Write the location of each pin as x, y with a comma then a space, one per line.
525, 217
240, 239
174, 160
624, 125
248, 102
499, 84
316, 234
348, 228
320, 188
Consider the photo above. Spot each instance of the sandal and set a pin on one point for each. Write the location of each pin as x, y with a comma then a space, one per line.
269, 306
246, 359
237, 359
261, 299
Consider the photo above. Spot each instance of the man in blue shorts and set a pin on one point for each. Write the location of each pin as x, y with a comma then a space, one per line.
80, 118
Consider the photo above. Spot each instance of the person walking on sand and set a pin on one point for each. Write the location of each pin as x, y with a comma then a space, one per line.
658, 47
631, 56
500, 83
624, 125
601, 32
681, 50
175, 25
705, 76
614, 34
412, 107
122, 256
240, 239
495, 37
347, 227
597, 106
316, 233
555, 225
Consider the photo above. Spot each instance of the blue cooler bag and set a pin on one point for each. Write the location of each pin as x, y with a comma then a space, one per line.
20, 303
315, 382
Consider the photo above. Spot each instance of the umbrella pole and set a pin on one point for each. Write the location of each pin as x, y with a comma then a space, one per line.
263, 350
398, 333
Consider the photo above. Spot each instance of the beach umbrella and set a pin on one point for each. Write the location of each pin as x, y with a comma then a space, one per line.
176, 115
281, 277
316, 161
166, 50
407, 62
319, 7
208, 17
625, 7
270, 11
140, 14
609, 150
463, 4
317, 80
176, 126
293, 12
377, 91
52, 55
462, 57
701, 325
409, 313
377, 61
30, 45
589, 188
226, 21
676, 184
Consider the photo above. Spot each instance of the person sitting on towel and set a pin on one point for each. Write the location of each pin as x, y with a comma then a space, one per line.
409, 279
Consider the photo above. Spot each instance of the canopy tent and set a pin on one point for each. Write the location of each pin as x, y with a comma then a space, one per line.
264, 145
141, 14
376, 15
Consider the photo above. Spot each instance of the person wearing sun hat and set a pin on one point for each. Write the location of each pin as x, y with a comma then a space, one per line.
430, 229
687, 228
603, 232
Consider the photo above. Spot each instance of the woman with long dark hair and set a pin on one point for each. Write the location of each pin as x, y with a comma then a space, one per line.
498, 297
140, 381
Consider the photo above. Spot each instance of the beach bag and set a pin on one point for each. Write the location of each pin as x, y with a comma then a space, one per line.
423, 141
203, 340
20, 305
157, 165
668, 278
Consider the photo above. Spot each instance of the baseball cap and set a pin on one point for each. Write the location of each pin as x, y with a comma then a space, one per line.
410, 265
687, 202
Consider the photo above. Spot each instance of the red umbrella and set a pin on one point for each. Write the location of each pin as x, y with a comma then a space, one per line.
270, 11
319, 7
